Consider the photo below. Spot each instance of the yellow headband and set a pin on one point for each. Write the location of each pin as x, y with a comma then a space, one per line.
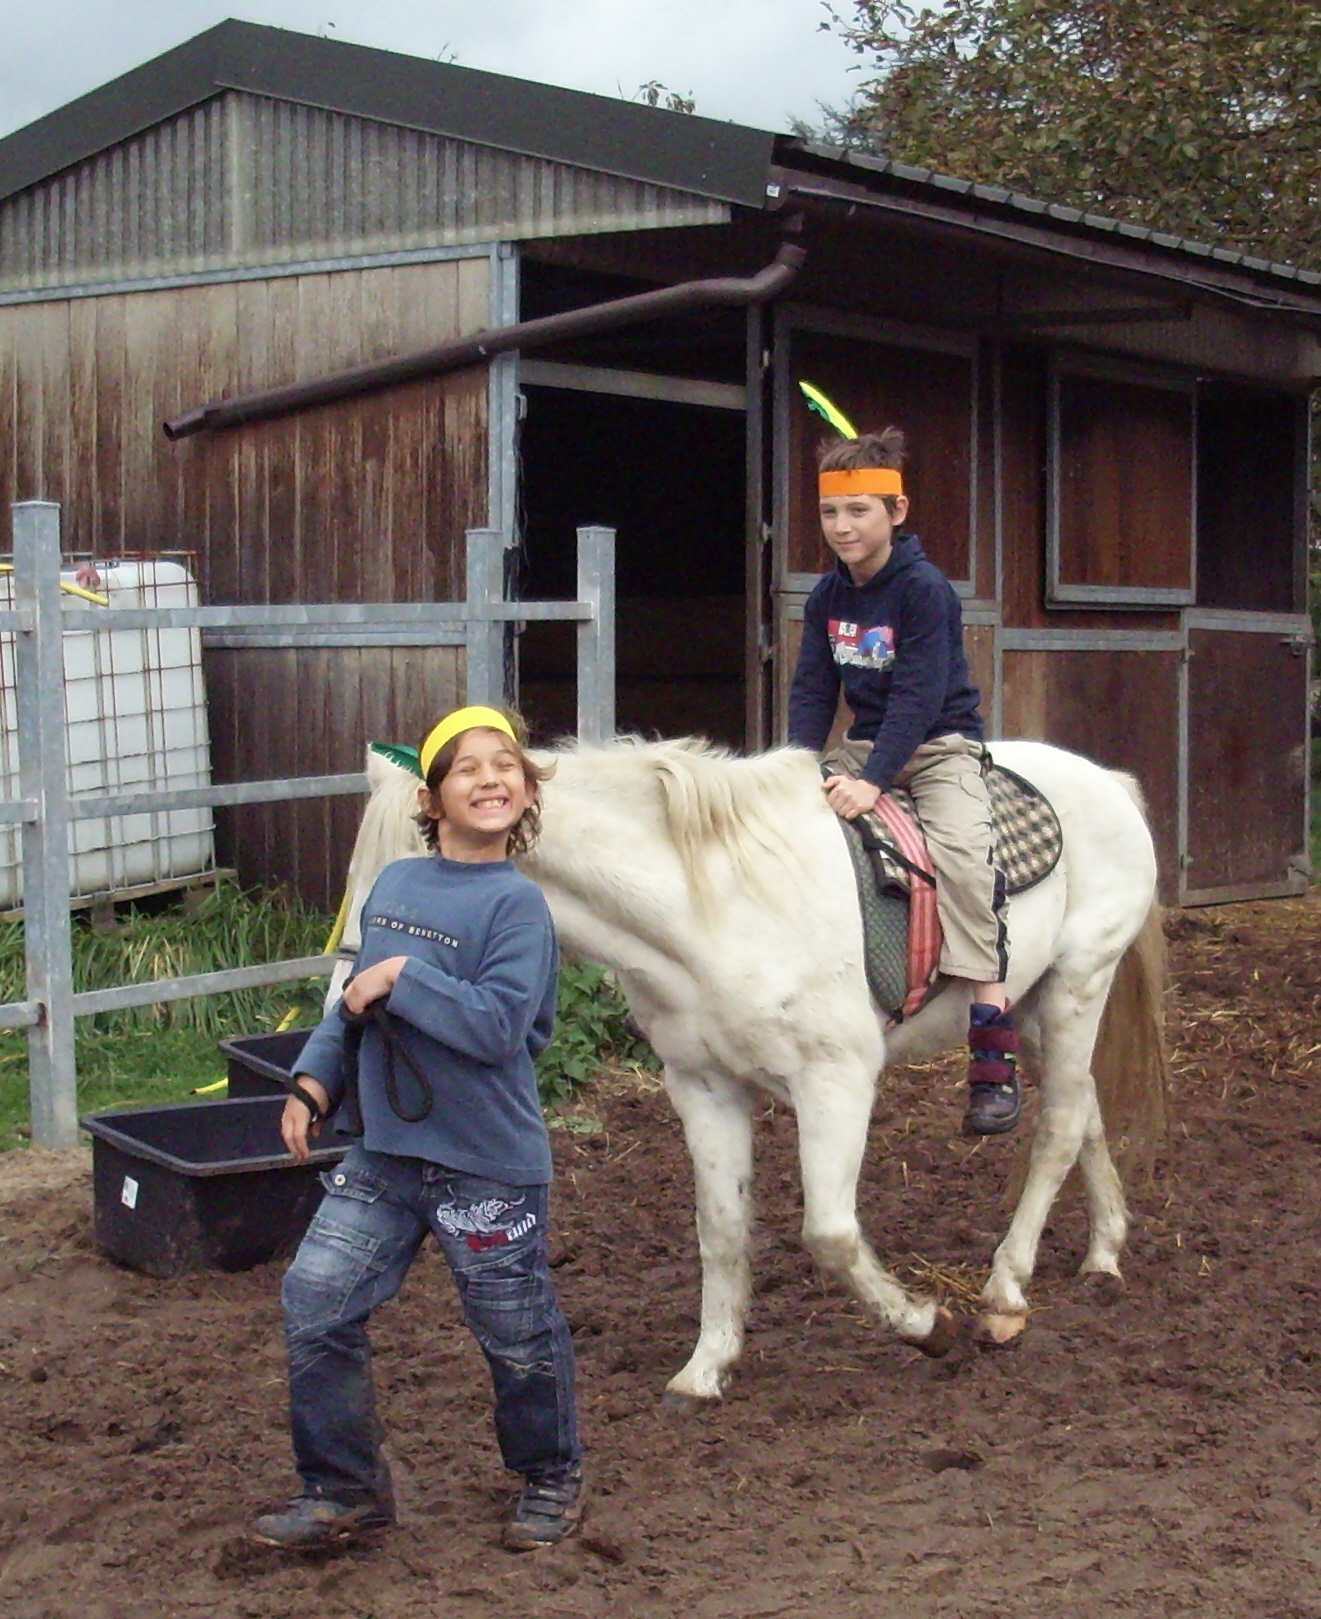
455, 724
860, 481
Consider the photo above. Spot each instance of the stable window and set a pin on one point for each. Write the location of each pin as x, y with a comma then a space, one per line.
1252, 457
1122, 487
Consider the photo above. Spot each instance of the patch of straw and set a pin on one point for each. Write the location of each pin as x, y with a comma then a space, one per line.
961, 1284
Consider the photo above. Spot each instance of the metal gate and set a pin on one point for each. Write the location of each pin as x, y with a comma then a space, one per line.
482, 624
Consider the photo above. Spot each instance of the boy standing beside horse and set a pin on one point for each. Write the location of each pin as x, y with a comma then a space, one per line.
885, 625
453, 996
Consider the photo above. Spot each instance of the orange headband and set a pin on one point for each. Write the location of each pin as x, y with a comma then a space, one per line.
861, 481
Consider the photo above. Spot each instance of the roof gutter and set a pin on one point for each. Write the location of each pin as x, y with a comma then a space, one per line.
768, 283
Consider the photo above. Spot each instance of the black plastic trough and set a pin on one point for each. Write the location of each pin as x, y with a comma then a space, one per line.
201, 1185
262, 1064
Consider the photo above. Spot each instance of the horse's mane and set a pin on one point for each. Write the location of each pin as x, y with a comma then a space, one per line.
715, 799
712, 803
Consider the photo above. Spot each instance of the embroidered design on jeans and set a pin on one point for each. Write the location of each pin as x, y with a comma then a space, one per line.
479, 1224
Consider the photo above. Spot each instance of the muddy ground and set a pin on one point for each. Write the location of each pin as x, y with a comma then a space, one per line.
1154, 1456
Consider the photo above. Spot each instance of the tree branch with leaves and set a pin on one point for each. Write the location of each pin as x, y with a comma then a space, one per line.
1200, 116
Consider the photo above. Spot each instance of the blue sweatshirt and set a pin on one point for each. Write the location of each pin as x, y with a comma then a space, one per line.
895, 644
473, 1005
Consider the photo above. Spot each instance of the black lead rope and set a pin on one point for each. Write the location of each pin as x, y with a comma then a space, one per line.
307, 1099
356, 1025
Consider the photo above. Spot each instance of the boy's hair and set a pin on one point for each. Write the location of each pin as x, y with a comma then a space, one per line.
888, 448
526, 829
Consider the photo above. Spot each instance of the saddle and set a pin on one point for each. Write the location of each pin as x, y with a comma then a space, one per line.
897, 883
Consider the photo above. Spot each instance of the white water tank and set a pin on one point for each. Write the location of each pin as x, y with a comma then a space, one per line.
135, 713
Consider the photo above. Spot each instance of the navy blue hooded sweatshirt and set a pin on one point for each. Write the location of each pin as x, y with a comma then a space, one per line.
895, 644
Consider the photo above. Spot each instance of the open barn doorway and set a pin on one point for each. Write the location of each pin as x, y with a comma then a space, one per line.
667, 473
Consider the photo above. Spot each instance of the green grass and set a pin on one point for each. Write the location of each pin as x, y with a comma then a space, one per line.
163, 1053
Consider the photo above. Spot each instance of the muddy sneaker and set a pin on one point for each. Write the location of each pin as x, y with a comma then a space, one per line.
548, 1510
995, 1099
313, 1521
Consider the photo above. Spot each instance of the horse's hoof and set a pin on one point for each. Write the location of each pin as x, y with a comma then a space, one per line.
996, 1330
940, 1340
1103, 1287
687, 1405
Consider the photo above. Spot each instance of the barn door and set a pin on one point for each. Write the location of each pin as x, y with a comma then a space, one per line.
1247, 738
877, 373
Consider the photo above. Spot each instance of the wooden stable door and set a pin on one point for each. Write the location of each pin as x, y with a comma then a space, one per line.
1246, 763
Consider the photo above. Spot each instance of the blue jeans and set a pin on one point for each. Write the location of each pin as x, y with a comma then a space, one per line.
358, 1249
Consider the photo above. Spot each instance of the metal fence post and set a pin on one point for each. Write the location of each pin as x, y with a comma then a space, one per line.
43, 777
486, 637
596, 635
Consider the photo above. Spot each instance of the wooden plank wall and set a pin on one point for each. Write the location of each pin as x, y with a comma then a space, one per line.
367, 500
926, 392
315, 712
1119, 708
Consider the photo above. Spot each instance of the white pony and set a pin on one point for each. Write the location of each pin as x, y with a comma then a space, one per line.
721, 892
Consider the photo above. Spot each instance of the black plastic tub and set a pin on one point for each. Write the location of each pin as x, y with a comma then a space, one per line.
201, 1185
262, 1064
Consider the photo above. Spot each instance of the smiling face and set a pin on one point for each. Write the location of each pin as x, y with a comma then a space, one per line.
860, 530
481, 799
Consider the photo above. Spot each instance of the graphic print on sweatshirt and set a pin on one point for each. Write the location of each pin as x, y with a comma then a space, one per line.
413, 929
872, 648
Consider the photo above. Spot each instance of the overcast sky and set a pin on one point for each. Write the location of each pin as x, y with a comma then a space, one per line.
758, 62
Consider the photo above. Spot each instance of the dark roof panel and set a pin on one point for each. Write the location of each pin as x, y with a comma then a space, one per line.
842, 159
720, 160
111, 113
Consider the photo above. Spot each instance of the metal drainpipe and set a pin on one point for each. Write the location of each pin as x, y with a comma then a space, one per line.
768, 283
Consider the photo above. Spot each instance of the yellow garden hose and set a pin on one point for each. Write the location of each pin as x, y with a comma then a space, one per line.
69, 589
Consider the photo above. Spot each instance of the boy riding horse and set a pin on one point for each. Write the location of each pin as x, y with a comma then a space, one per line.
885, 625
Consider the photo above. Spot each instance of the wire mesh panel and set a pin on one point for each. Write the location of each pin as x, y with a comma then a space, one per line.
135, 720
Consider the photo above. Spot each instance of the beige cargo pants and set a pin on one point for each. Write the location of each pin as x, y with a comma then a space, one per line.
946, 780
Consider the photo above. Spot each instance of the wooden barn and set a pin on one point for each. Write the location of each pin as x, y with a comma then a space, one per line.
1110, 424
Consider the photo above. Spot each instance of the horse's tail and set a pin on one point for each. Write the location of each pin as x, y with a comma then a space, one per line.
1131, 1063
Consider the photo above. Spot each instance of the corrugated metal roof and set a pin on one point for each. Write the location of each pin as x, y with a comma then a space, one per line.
1000, 196
243, 181
649, 144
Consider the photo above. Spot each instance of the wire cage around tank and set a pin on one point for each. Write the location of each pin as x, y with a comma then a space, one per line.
135, 714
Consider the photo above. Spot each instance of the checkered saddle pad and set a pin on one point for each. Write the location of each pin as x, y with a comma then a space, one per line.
896, 883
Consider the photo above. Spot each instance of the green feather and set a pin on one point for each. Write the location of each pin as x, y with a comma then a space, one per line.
399, 753
818, 402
